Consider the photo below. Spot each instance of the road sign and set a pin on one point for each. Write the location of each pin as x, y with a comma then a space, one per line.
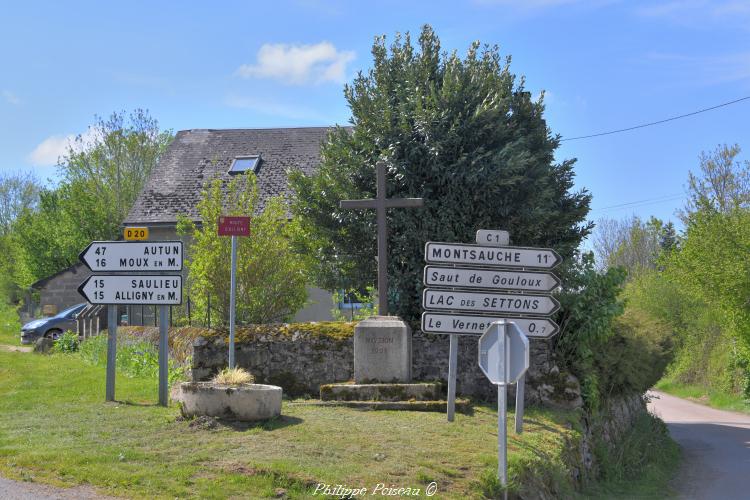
464, 324
135, 233
143, 289
526, 281
493, 238
493, 358
234, 225
454, 300
461, 253
123, 256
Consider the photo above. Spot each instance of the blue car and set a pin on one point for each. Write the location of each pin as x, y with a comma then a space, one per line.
52, 327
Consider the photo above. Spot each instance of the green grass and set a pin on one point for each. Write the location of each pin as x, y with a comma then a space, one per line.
10, 328
641, 466
56, 428
710, 397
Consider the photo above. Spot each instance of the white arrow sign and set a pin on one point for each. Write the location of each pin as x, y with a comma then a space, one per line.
526, 281
489, 302
465, 324
462, 253
109, 256
145, 289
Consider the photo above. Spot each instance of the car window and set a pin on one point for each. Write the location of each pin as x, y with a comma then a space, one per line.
71, 312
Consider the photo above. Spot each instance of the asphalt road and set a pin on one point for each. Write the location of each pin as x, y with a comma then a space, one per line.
20, 490
715, 446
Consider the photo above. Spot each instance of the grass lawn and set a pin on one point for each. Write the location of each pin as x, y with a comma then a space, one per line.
55, 428
10, 328
710, 397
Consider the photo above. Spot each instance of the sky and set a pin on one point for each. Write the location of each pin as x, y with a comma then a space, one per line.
603, 65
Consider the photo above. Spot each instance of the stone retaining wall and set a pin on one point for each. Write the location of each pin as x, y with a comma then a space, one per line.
300, 361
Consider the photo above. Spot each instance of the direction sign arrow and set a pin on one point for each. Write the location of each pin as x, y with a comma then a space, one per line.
527, 281
113, 256
489, 302
465, 324
462, 253
146, 289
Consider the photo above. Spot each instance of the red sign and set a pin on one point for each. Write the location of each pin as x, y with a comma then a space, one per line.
234, 226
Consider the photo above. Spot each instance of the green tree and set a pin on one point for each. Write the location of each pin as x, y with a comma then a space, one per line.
635, 245
18, 192
271, 278
101, 175
464, 135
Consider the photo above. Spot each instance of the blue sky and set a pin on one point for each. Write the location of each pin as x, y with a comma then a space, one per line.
604, 65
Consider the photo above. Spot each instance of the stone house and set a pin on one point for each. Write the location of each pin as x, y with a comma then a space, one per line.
195, 157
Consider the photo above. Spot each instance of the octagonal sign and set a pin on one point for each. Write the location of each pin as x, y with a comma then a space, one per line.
492, 355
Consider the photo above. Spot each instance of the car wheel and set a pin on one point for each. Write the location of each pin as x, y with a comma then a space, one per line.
53, 334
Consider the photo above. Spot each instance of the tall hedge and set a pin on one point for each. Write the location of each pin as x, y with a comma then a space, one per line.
463, 134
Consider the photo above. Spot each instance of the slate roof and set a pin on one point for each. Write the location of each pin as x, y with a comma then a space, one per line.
199, 155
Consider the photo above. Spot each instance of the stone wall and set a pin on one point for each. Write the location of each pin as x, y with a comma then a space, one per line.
61, 290
300, 361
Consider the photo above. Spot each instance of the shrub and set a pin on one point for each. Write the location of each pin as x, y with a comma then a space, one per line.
233, 376
67, 342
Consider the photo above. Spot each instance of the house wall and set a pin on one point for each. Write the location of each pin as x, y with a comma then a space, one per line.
62, 290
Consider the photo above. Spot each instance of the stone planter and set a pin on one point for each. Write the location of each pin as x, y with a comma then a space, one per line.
246, 402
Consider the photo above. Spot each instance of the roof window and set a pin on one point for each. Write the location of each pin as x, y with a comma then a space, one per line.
242, 164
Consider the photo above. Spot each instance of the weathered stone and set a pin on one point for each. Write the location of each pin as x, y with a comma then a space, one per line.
381, 392
43, 345
246, 402
382, 350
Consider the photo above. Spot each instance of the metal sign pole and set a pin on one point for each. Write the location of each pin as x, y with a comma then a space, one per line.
111, 351
233, 283
452, 369
502, 393
519, 403
163, 357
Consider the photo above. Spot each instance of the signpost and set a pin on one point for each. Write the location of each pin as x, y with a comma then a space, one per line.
124, 289
126, 256
464, 324
492, 280
233, 226
156, 286
504, 359
489, 302
478, 255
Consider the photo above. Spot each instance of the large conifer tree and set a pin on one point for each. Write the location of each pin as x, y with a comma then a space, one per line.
461, 133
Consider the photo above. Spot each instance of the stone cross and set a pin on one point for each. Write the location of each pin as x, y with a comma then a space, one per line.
380, 203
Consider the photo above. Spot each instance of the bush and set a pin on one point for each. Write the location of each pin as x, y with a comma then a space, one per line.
67, 342
136, 357
233, 377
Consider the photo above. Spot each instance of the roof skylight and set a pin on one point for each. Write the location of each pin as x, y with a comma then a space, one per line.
242, 164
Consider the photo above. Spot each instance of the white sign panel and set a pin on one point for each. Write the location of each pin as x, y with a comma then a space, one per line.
498, 366
526, 281
462, 253
124, 256
146, 289
454, 300
465, 324
493, 238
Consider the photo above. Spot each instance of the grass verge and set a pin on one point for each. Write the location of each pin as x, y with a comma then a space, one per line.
703, 395
55, 428
640, 466
10, 328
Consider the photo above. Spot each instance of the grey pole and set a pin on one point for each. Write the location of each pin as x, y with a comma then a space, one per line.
233, 283
519, 403
111, 351
502, 434
163, 357
452, 368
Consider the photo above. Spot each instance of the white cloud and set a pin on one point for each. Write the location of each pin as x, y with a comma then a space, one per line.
11, 98
299, 64
50, 150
